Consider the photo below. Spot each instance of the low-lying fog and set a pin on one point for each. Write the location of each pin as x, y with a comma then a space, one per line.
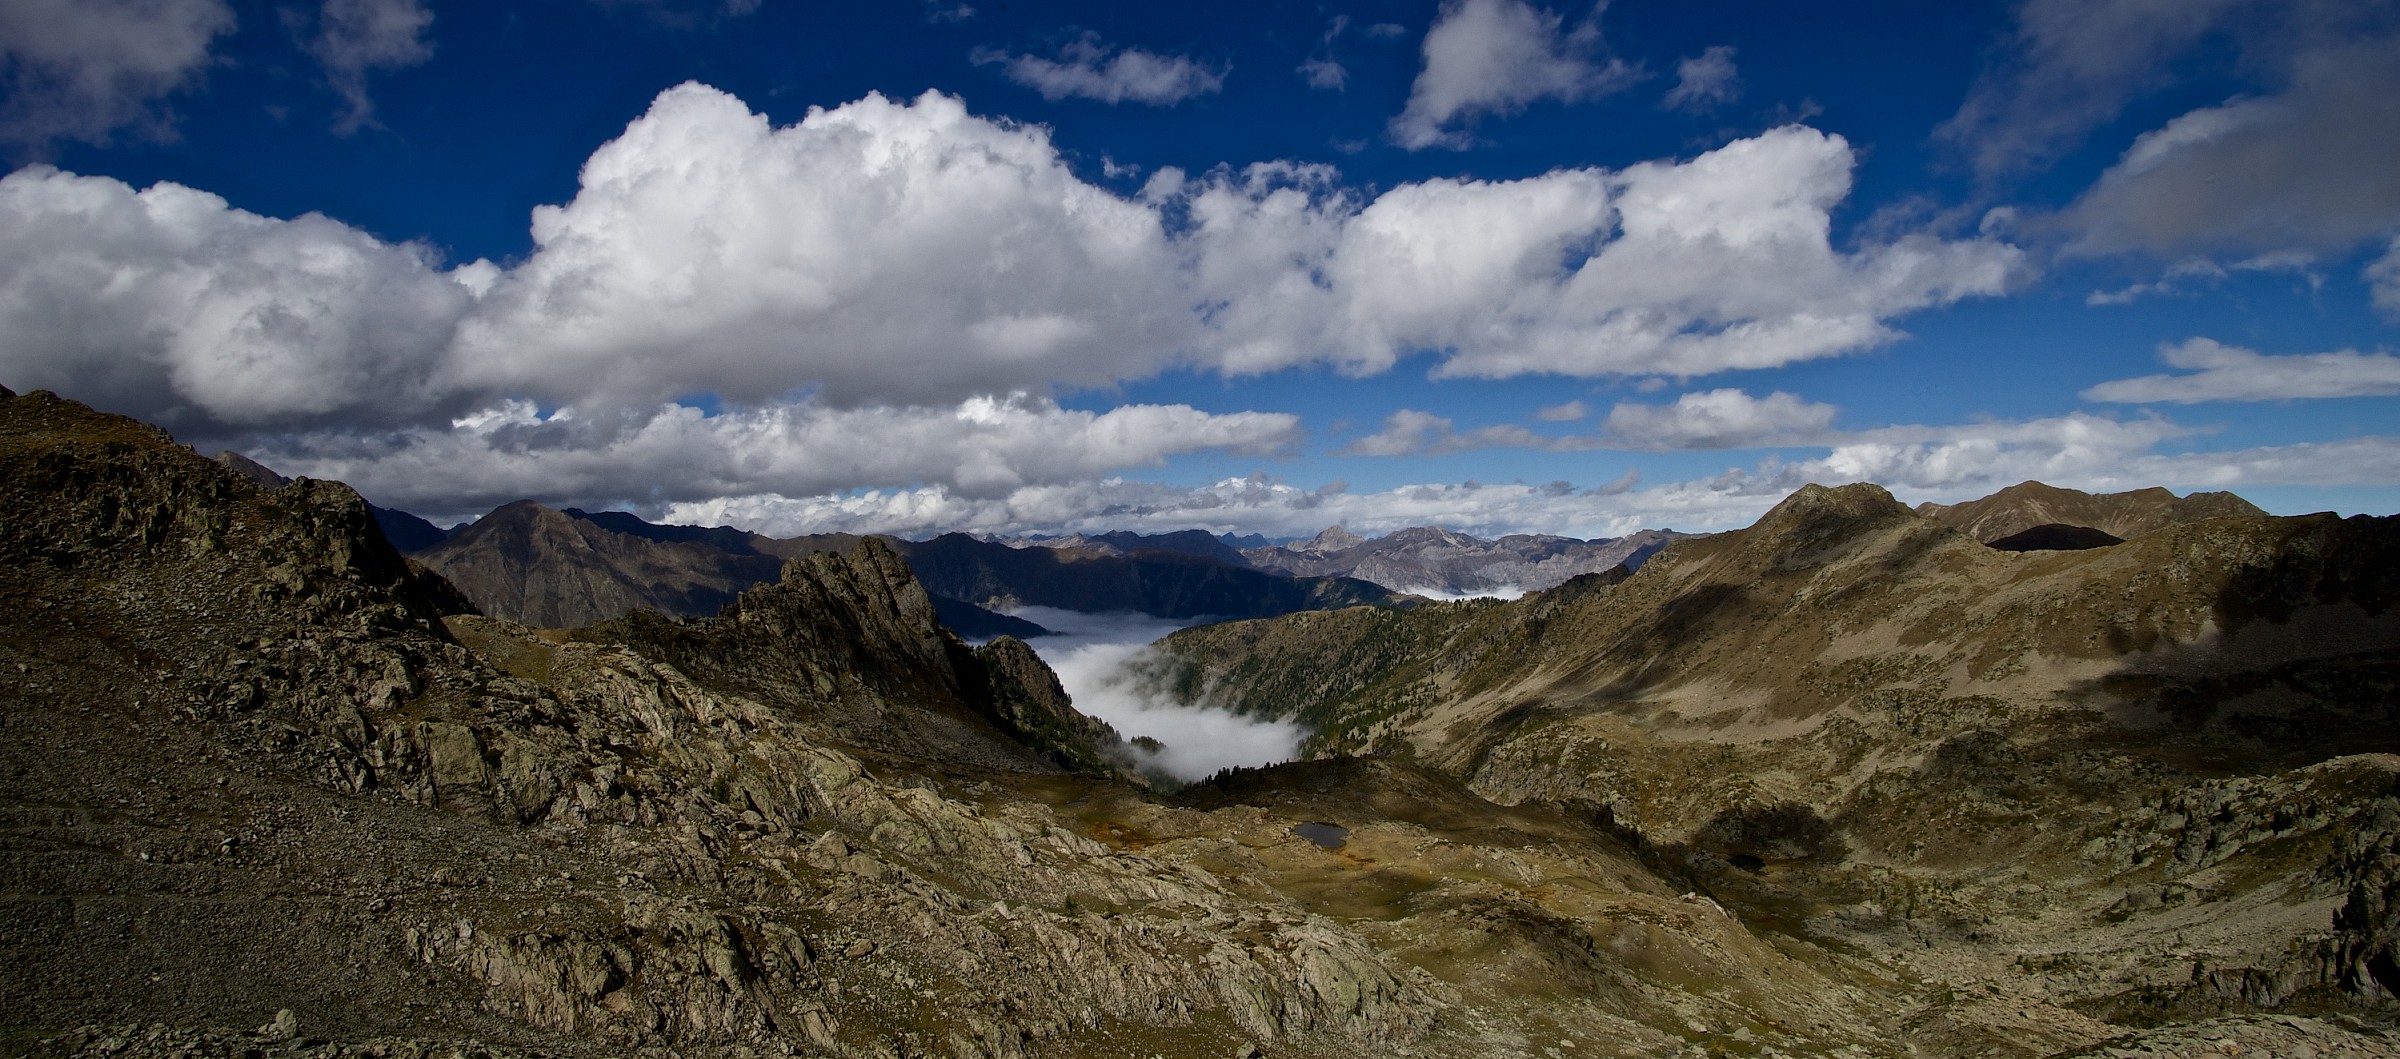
1097, 657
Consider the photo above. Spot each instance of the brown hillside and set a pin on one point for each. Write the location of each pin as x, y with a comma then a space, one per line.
2125, 515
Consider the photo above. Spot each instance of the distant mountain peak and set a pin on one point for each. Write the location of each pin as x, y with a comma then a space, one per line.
1334, 539
1813, 503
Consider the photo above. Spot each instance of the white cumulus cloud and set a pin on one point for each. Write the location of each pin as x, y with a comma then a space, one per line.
1493, 57
909, 255
170, 305
1089, 68
913, 254
2218, 372
1663, 268
878, 251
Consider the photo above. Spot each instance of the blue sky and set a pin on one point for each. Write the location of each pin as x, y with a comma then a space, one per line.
1495, 265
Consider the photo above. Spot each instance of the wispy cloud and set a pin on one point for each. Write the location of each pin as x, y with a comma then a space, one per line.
1719, 419
2307, 169
1322, 69
1706, 80
2069, 67
1089, 68
88, 69
2217, 372
354, 38
1493, 57
1409, 432
2383, 281
2179, 276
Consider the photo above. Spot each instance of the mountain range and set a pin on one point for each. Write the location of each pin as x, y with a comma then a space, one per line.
529, 563
1848, 782
556, 569
1445, 563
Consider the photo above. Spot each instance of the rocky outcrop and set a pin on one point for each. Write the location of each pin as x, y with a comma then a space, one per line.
1028, 702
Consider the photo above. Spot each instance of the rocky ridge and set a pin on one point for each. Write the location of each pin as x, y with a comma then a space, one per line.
2027, 505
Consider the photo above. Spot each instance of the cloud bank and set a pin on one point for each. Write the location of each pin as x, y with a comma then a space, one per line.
1919, 463
888, 271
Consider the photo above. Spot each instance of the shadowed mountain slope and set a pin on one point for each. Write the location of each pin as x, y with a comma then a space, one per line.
527, 563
